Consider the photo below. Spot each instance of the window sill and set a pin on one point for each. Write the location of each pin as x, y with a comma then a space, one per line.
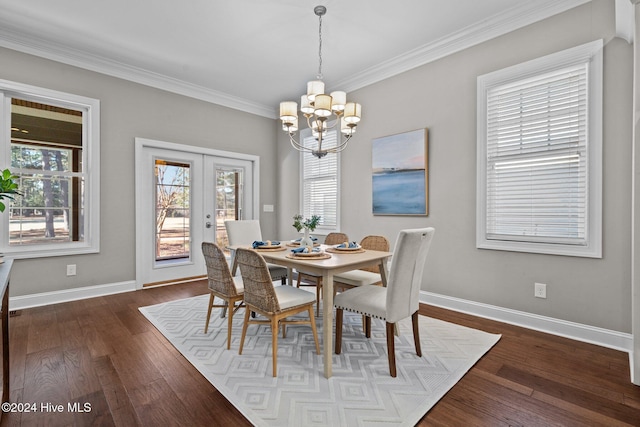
589, 251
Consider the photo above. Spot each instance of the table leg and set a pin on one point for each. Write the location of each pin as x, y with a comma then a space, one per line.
383, 272
234, 263
290, 275
223, 312
327, 322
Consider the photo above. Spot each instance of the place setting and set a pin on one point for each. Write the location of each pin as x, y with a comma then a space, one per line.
296, 242
308, 252
346, 248
268, 245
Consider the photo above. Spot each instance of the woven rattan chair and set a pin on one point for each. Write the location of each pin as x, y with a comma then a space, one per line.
221, 285
369, 275
331, 239
276, 303
398, 300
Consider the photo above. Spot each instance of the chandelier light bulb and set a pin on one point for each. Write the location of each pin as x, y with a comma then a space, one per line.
322, 105
314, 87
290, 127
352, 112
305, 105
288, 111
339, 100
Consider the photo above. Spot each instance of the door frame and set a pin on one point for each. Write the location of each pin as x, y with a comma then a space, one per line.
142, 144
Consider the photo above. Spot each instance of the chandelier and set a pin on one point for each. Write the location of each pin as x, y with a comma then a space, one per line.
322, 111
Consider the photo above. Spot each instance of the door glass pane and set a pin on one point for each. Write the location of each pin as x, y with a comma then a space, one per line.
172, 210
229, 189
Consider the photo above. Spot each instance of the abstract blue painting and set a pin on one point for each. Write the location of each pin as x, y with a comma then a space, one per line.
400, 175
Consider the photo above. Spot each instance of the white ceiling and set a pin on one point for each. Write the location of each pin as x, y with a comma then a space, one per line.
251, 54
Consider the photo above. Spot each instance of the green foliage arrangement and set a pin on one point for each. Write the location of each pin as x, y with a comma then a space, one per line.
8, 187
309, 224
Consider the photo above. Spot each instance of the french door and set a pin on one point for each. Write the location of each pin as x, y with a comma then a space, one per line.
183, 196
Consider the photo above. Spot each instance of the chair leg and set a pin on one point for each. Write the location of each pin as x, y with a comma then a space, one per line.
206, 325
244, 328
274, 344
416, 333
391, 348
339, 313
313, 329
367, 326
229, 325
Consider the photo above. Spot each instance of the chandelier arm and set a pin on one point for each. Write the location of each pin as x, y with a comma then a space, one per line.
343, 145
297, 145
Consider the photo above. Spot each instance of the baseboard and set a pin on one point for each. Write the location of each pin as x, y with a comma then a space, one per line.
590, 334
55, 297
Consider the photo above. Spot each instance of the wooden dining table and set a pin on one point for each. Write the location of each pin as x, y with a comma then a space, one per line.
327, 268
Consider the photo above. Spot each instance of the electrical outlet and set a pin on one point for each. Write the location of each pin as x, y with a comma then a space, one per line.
540, 290
71, 269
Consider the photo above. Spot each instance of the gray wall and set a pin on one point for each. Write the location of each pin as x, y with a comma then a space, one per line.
130, 110
441, 96
635, 362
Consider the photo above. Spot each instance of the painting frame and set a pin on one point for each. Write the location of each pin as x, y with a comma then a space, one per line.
400, 174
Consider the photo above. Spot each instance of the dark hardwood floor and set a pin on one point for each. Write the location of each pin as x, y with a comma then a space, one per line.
104, 353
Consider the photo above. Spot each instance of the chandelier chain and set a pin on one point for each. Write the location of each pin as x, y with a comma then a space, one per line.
320, 47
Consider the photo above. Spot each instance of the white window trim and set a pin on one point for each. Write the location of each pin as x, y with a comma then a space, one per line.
91, 158
306, 133
591, 53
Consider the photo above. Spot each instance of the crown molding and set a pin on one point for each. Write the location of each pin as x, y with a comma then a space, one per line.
506, 22
15, 40
510, 20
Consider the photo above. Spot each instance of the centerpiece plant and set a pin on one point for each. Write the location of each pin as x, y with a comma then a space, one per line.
308, 224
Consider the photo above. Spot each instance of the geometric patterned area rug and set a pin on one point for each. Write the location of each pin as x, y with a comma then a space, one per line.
360, 393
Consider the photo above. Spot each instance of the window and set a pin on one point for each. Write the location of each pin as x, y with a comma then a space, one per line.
53, 149
540, 155
320, 182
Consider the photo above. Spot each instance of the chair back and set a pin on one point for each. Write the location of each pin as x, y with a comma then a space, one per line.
258, 288
405, 277
218, 273
243, 232
374, 243
335, 238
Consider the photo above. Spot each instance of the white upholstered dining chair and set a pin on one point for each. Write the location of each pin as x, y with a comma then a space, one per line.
245, 232
397, 301
276, 303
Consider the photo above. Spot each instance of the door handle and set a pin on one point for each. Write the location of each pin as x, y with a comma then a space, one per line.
207, 224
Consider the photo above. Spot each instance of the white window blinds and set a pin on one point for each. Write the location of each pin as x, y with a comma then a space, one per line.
537, 158
539, 155
320, 182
